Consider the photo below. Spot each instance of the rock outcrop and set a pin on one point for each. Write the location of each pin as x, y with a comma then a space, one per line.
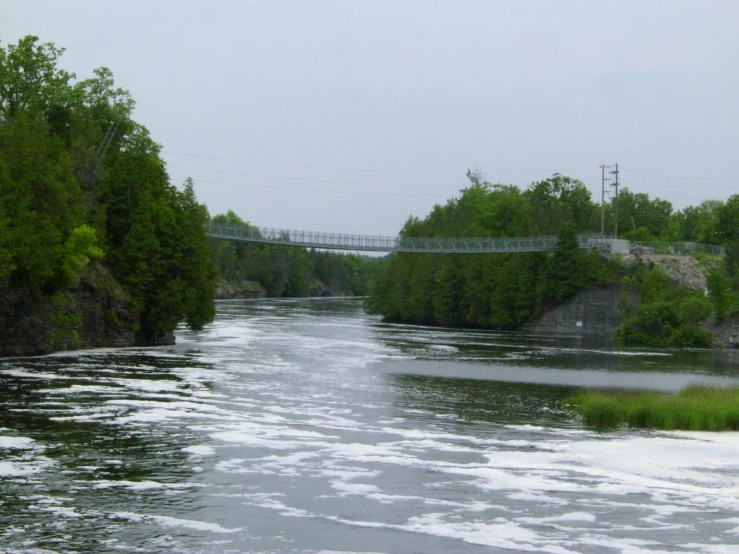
239, 289
725, 334
94, 312
685, 271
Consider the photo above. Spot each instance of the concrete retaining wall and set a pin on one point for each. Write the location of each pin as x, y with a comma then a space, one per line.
592, 313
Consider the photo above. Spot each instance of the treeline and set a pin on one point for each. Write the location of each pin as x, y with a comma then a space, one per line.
504, 291
500, 291
80, 180
291, 271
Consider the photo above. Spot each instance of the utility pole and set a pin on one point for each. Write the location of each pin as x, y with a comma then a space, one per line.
614, 172
602, 200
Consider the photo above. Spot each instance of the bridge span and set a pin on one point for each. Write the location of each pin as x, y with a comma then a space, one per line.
370, 243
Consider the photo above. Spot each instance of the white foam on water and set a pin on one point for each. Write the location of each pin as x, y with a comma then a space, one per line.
567, 517
22, 373
347, 552
362, 489
168, 521
12, 469
144, 485
101, 390
22, 457
16, 442
711, 549
518, 487
500, 533
270, 502
200, 450
444, 348
64, 511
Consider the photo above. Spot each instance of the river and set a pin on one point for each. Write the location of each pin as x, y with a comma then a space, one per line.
306, 426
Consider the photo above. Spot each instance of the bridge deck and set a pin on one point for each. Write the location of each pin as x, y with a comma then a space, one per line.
369, 243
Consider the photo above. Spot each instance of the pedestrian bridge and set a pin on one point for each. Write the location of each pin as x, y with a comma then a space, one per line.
370, 243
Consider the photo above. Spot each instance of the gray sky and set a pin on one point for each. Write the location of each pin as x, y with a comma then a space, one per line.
349, 116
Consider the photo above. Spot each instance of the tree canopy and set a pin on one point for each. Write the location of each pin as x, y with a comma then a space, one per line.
504, 291
81, 180
500, 291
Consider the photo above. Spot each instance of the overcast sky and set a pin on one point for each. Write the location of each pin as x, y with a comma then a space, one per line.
350, 116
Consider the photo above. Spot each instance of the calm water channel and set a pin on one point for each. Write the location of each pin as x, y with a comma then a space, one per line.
307, 426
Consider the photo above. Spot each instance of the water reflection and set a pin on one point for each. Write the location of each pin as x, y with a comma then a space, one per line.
473, 402
555, 360
72, 409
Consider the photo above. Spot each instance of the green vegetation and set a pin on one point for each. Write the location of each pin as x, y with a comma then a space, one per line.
80, 180
667, 315
500, 291
696, 408
670, 316
503, 291
291, 272
723, 281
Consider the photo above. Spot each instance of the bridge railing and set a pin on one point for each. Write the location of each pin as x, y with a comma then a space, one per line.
309, 239
338, 241
487, 244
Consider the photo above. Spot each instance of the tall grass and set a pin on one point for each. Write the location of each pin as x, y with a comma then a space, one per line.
696, 408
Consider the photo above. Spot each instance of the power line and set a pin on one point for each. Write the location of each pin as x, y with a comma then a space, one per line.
316, 168
364, 193
695, 187
614, 172
416, 172
684, 178
333, 181
357, 170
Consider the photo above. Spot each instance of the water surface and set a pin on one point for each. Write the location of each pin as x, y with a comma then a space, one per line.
307, 426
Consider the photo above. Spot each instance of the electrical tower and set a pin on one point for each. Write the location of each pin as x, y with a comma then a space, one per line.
613, 172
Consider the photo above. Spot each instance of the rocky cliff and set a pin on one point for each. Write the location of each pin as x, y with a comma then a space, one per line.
94, 312
688, 273
239, 289
599, 312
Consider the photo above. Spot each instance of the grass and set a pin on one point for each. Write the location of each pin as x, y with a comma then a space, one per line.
696, 408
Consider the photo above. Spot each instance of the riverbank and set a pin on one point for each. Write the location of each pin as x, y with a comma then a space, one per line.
97, 312
94, 312
232, 290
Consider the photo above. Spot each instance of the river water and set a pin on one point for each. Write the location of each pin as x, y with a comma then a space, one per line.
307, 426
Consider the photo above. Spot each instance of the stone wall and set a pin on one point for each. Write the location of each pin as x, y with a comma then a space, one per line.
592, 313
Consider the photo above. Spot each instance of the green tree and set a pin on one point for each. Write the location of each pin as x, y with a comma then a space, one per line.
560, 201
698, 223
79, 249
164, 261
30, 80
637, 210
41, 200
569, 269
